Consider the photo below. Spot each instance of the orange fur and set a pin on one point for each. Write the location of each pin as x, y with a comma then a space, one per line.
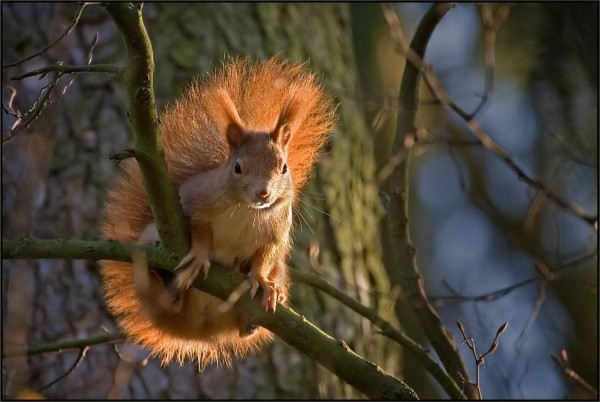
262, 97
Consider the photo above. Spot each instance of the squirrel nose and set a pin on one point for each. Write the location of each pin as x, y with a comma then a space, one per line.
263, 194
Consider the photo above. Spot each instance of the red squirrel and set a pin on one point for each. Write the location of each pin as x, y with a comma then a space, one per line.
239, 146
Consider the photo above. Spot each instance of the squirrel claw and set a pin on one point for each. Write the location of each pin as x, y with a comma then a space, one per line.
206, 268
184, 261
185, 277
254, 288
270, 292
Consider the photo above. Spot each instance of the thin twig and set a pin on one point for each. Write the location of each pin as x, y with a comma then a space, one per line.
491, 26
26, 119
539, 302
80, 357
62, 69
572, 154
479, 359
63, 345
490, 296
562, 361
440, 94
61, 37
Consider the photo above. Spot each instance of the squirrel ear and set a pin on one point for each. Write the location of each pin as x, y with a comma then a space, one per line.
290, 117
235, 135
282, 134
227, 118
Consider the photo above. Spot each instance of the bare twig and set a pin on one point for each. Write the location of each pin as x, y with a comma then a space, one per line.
491, 26
486, 297
572, 154
122, 155
26, 119
393, 162
61, 37
63, 345
539, 302
63, 69
479, 359
443, 98
562, 361
563, 203
76, 363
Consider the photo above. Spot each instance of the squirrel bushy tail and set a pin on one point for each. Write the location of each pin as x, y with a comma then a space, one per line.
193, 136
194, 140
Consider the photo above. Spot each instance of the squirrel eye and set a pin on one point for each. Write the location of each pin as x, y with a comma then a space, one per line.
237, 169
284, 169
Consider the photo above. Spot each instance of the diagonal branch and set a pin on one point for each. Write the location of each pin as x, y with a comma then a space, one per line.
562, 361
296, 330
387, 329
440, 94
51, 45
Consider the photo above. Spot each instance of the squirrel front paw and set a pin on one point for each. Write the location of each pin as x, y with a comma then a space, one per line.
188, 270
271, 293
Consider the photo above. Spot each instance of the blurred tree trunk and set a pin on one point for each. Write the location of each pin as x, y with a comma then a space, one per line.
336, 234
380, 67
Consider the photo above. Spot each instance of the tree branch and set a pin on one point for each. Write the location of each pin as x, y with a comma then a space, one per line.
83, 250
550, 276
418, 66
449, 385
562, 361
143, 117
398, 189
60, 346
288, 325
62, 69
44, 50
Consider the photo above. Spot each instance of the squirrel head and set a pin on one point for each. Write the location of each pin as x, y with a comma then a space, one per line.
258, 168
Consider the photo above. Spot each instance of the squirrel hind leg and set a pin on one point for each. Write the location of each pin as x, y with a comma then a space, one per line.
245, 326
153, 285
149, 235
170, 300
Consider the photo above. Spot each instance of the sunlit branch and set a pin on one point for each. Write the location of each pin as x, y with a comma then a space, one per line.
387, 329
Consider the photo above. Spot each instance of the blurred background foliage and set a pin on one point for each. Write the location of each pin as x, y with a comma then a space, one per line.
477, 228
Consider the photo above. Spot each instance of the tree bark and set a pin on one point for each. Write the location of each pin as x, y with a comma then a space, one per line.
336, 226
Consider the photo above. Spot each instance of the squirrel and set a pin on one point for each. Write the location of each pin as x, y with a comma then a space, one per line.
239, 146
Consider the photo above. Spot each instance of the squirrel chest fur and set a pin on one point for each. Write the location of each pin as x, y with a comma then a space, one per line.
239, 146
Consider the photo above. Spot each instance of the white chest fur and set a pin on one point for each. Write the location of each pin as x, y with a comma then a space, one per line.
239, 231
